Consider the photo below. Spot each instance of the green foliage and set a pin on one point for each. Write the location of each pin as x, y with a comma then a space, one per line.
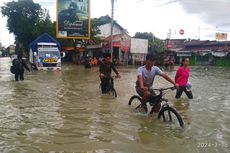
144, 35
102, 20
192, 60
95, 30
26, 20
45, 26
221, 61
95, 24
155, 44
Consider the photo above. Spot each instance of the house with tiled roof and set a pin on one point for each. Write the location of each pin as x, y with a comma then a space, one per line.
105, 29
206, 52
121, 40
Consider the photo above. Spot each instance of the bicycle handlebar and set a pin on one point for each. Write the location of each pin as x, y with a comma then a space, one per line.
114, 76
163, 89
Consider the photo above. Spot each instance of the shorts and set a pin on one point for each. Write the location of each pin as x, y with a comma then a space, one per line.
140, 91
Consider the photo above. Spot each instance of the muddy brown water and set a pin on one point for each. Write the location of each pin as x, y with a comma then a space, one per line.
65, 112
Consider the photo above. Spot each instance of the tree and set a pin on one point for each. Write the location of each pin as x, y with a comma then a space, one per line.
95, 30
155, 44
95, 24
144, 35
26, 20
45, 26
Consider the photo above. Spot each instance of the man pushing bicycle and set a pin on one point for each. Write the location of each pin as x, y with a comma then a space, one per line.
106, 67
145, 79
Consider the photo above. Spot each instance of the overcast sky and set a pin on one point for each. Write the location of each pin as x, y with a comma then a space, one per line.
198, 18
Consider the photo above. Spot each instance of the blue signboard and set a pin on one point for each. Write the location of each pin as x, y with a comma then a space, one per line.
73, 19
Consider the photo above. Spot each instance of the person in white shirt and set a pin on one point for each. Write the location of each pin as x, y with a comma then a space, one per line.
145, 79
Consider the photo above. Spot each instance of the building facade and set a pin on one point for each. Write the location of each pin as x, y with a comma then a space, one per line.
121, 41
206, 52
105, 29
121, 47
11, 49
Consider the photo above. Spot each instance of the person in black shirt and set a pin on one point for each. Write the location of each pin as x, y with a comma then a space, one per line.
19, 64
106, 67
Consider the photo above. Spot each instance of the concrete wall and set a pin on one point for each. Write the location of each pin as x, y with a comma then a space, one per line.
11, 49
138, 58
139, 46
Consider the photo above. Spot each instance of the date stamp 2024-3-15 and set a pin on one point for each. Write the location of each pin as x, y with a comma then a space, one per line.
212, 144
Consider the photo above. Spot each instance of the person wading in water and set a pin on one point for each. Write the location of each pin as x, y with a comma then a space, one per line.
19, 64
181, 78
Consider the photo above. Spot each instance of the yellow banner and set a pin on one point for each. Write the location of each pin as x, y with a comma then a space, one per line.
50, 60
221, 36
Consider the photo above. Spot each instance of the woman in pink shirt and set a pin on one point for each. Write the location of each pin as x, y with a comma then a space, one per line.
181, 78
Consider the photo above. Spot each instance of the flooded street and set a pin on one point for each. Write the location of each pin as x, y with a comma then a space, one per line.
65, 112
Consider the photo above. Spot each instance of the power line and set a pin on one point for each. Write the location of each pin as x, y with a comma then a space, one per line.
167, 3
112, 22
204, 2
222, 25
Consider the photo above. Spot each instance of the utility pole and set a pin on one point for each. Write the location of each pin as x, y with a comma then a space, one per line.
169, 34
168, 37
199, 31
111, 34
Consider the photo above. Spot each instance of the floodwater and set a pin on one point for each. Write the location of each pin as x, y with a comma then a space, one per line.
64, 112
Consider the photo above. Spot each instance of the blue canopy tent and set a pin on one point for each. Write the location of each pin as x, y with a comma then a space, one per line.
45, 38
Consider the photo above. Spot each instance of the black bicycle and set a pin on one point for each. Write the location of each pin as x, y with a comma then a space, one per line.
110, 87
166, 113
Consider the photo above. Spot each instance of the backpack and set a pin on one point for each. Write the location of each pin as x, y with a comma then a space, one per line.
18, 64
12, 69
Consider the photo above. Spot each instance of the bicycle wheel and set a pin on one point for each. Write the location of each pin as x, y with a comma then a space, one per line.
169, 114
113, 92
135, 103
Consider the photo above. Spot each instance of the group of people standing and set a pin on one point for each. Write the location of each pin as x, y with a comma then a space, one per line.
90, 61
169, 62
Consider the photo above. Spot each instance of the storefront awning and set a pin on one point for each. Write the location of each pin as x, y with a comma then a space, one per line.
219, 54
125, 48
116, 44
183, 54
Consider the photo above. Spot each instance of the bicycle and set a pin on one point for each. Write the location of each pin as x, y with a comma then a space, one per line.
110, 87
166, 112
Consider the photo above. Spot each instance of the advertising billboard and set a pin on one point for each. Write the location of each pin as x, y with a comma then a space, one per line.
73, 19
221, 36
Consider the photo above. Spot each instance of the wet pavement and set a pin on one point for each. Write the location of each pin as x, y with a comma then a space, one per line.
63, 111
